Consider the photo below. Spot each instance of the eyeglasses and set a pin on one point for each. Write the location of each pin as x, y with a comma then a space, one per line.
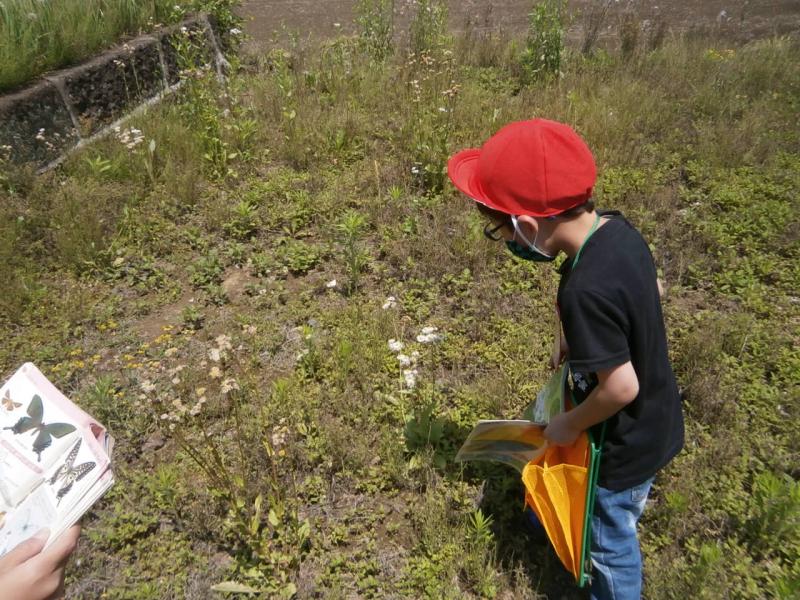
490, 231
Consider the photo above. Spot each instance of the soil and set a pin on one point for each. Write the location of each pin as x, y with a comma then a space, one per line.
741, 20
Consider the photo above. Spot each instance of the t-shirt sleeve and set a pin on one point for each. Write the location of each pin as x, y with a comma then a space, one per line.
596, 330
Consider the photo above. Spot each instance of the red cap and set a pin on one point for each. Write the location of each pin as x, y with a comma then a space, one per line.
538, 168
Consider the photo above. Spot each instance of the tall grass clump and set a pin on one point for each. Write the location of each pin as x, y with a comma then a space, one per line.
37, 36
545, 41
376, 27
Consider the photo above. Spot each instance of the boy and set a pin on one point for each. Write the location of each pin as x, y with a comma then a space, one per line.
534, 180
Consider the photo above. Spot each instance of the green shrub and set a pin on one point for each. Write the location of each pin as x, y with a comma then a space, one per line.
544, 44
428, 29
376, 22
299, 257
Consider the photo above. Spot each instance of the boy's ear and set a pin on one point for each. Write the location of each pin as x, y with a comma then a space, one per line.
530, 222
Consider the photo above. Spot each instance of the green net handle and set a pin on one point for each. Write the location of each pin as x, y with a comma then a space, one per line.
595, 451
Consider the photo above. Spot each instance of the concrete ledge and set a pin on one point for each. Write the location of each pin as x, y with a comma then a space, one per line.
36, 124
101, 89
45, 121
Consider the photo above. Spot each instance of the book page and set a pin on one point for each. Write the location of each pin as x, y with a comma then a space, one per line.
33, 436
550, 399
514, 443
35, 513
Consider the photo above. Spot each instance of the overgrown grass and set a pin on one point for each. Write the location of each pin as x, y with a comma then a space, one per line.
228, 310
38, 36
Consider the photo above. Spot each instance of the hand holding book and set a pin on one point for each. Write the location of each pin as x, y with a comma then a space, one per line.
54, 460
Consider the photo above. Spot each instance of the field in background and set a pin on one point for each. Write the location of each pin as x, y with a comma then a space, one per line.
220, 284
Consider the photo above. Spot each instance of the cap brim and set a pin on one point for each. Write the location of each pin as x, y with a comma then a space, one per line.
462, 168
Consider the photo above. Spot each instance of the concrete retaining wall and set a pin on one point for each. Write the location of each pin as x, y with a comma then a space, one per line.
66, 109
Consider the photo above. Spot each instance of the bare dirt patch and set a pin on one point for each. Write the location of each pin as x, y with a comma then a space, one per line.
153, 325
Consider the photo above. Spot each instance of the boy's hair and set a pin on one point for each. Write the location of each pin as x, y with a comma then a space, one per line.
576, 211
501, 217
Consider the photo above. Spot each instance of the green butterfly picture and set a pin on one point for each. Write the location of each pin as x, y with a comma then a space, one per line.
34, 423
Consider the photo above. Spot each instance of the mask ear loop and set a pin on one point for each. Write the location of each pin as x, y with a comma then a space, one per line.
531, 245
518, 231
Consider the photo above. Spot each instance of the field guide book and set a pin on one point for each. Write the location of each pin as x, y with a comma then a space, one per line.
55, 459
516, 442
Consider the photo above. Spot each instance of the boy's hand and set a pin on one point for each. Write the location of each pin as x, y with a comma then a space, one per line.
30, 573
560, 431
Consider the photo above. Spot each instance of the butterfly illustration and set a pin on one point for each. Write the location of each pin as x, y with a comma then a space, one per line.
8, 403
70, 474
44, 430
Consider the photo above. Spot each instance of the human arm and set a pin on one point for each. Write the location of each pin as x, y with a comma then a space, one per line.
29, 572
616, 388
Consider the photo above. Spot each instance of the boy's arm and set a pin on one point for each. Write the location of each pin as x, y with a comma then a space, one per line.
616, 387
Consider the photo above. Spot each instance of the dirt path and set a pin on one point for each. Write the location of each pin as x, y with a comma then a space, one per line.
741, 20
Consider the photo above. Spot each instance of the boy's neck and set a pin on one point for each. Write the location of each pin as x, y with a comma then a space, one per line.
573, 233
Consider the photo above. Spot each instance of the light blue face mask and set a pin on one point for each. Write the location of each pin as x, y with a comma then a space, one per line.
531, 252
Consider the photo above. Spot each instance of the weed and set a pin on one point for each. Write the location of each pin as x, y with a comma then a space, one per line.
207, 271
299, 257
376, 21
593, 23
428, 29
351, 229
629, 34
243, 221
545, 42
192, 317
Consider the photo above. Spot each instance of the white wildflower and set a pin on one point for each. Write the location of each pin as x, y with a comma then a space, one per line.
236, 31
410, 378
223, 342
331, 284
214, 354
395, 345
215, 373
391, 302
278, 438
429, 335
404, 360
147, 386
228, 385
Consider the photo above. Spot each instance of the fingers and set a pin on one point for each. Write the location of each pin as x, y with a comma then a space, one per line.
59, 593
24, 551
64, 545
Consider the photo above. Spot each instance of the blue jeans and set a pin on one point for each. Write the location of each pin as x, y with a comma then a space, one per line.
616, 558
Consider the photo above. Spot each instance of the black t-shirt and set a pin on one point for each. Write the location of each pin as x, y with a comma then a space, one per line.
611, 313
